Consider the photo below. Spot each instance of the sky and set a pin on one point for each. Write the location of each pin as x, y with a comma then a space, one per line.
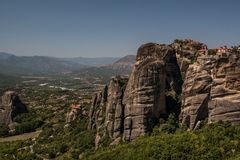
113, 28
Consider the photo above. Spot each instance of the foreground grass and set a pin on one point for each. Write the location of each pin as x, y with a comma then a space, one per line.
218, 141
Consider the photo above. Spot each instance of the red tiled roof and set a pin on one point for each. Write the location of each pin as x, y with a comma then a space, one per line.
75, 106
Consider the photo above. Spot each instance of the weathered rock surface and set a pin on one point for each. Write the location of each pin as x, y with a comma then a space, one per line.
151, 93
211, 90
187, 51
76, 112
107, 111
152, 89
98, 108
10, 106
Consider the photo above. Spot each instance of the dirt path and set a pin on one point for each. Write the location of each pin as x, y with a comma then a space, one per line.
21, 137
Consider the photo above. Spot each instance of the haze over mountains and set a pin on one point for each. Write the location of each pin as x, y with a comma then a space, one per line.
122, 66
98, 61
12, 64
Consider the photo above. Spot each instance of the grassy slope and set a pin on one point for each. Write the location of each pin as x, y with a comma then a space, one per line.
221, 141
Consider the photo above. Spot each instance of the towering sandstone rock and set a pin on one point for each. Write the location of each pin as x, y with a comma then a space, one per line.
10, 106
152, 89
211, 90
151, 93
107, 111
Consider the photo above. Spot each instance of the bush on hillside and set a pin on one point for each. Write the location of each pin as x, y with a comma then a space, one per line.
214, 141
3, 130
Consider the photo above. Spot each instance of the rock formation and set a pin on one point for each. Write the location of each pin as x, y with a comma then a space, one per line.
107, 111
152, 89
187, 51
211, 90
151, 93
76, 111
10, 106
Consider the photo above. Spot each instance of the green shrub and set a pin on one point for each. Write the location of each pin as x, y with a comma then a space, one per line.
215, 141
28, 126
63, 148
3, 130
169, 126
52, 155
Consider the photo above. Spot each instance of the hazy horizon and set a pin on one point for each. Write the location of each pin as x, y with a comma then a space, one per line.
64, 56
61, 28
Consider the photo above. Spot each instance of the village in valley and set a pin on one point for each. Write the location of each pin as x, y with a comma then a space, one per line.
53, 103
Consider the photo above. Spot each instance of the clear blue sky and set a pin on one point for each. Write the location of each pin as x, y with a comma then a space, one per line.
95, 28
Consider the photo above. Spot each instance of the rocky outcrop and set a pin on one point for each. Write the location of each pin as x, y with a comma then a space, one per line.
187, 52
107, 111
75, 112
10, 106
97, 109
211, 90
152, 89
152, 92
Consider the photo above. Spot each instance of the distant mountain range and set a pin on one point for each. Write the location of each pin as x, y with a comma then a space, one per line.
99, 61
124, 63
122, 66
12, 64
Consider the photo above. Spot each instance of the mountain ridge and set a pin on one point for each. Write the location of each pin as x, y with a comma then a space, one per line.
12, 64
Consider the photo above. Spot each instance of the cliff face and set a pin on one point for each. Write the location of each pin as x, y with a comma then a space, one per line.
211, 90
107, 111
152, 89
151, 93
187, 51
10, 106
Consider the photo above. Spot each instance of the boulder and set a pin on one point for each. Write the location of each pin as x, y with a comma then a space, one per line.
10, 107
